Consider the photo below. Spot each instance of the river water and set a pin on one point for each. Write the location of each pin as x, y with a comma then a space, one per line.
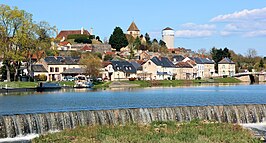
75, 100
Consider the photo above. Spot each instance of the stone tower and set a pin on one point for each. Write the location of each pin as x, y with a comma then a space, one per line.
133, 30
168, 36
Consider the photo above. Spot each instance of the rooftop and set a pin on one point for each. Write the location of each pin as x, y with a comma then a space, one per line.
133, 27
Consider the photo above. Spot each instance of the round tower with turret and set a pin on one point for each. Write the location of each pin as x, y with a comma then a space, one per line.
168, 36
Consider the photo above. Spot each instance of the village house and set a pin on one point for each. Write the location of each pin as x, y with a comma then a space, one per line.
64, 33
119, 70
226, 67
57, 65
38, 69
204, 66
184, 71
159, 68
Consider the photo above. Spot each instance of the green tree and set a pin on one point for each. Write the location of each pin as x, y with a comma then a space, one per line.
219, 54
137, 43
92, 64
261, 64
148, 39
118, 39
19, 38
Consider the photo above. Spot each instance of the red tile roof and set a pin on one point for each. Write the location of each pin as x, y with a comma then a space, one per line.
64, 43
110, 53
65, 33
86, 48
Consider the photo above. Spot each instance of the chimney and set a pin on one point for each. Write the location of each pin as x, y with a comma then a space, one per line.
82, 30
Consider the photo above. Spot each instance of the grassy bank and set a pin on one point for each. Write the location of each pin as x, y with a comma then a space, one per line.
144, 83
104, 84
18, 84
193, 132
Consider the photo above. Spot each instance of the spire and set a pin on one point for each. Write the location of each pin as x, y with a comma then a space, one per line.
133, 27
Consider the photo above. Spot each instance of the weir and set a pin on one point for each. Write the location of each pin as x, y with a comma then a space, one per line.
20, 125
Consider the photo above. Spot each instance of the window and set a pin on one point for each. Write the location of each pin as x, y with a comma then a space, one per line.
57, 69
223, 67
64, 68
149, 63
51, 69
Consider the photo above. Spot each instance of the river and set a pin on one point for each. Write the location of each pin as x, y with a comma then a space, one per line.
76, 100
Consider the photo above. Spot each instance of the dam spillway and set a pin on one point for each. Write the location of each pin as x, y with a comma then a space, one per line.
23, 124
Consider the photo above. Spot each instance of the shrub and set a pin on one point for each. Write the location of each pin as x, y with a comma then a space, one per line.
41, 77
132, 79
83, 40
224, 76
75, 36
198, 78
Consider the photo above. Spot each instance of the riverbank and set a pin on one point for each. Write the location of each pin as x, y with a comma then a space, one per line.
194, 131
151, 83
24, 86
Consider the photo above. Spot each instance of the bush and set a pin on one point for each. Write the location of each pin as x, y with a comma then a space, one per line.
41, 77
83, 40
198, 78
224, 76
75, 36
132, 79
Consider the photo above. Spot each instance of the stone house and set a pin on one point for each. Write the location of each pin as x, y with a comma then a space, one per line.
184, 71
159, 68
226, 67
56, 65
119, 70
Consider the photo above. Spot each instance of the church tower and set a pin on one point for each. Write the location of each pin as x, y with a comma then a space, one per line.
168, 36
133, 30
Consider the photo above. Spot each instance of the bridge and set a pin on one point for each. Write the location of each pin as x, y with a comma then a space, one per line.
251, 77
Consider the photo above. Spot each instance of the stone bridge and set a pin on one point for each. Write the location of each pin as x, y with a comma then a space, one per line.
251, 77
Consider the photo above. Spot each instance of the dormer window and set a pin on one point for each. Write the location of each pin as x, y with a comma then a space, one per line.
129, 68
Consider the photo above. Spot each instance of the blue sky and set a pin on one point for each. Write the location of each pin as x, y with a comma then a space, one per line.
237, 24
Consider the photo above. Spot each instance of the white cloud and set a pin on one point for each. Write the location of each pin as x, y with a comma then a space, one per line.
193, 33
244, 15
258, 33
193, 26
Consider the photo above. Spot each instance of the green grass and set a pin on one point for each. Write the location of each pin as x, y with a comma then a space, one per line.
100, 85
226, 80
157, 132
19, 84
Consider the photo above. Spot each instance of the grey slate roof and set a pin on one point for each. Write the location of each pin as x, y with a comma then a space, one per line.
38, 68
226, 61
136, 65
124, 66
74, 71
164, 62
201, 60
178, 58
51, 60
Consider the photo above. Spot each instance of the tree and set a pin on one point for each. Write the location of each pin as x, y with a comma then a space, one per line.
148, 39
219, 54
137, 43
118, 39
155, 46
261, 64
251, 53
19, 38
98, 39
92, 65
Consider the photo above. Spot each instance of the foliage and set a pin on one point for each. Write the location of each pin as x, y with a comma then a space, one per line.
20, 38
92, 65
98, 39
50, 52
159, 131
219, 54
40, 77
108, 57
137, 43
75, 36
118, 39
83, 40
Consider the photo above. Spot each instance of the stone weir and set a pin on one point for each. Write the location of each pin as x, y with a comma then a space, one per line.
19, 125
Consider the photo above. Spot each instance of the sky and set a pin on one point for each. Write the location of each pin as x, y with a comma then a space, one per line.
238, 25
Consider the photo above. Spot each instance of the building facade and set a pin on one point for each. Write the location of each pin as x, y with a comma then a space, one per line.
168, 36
